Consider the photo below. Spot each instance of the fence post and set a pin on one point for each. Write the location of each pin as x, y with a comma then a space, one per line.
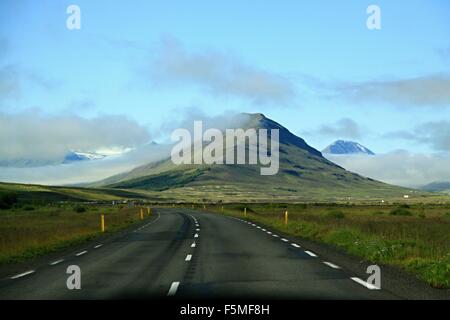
102, 223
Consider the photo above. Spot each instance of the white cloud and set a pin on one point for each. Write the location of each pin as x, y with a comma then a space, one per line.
344, 128
33, 135
434, 133
9, 82
220, 74
430, 90
399, 167
85, 171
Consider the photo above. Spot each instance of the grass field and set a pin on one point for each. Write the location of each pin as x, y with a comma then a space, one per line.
415, 238
30, 231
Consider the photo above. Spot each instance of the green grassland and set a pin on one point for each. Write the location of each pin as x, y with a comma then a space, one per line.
415, 238
30, 231
35, 220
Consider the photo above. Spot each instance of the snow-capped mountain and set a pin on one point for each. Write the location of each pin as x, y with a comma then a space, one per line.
346, 147
82, 156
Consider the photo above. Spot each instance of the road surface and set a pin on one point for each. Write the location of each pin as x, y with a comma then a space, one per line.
191, 254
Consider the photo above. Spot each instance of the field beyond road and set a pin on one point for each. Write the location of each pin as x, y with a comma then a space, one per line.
30, 231
415, 238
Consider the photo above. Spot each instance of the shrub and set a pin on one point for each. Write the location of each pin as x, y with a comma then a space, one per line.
405, 206
400, 212
7, 200
28, 208
337, 214
80, 209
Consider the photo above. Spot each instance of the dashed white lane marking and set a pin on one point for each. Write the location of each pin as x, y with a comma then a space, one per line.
193, 245
196, 235
331, 265
275, 235
173, 289
285, 240
20, 275
197, 229
98, 246
148, 224
365, 284
56, 262
81, 253
258, 227
295, 245
263, 230
312, 254
188, 257
268, 232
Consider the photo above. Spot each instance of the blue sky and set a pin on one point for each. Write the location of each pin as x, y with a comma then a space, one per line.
317, 61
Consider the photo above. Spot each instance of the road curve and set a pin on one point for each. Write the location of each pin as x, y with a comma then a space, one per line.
191, 254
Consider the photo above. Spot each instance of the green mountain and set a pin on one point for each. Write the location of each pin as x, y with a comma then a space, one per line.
304, 175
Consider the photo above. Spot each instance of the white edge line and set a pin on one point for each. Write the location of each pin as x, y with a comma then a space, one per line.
365, 284
312, 254
81, 253
173, 289
295, 245
98, 246
20, 275
285, 240
56, 262
331, 265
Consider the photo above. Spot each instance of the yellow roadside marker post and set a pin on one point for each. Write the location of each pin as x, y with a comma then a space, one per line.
245, 212
102, 223
286, 217
204, 207
222, 209
142, 214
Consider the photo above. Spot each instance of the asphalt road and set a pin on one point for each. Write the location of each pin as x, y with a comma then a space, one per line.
190, 254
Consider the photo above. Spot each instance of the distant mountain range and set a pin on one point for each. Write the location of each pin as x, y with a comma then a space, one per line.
443, 186
304, 175
347, 148
71, 157
74, 156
